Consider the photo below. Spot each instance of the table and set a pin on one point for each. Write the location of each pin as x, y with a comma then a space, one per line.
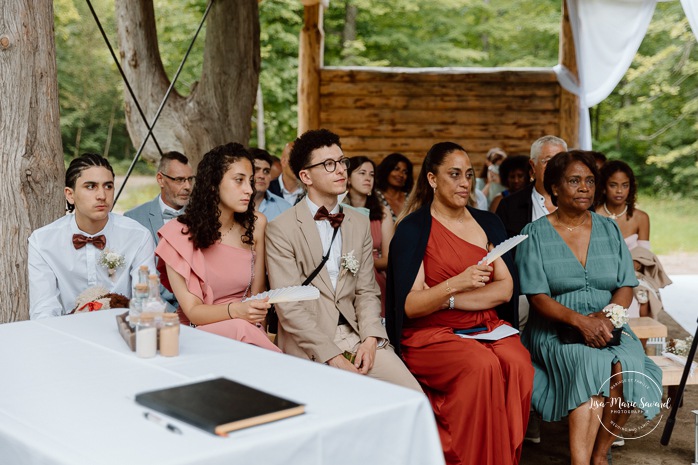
68, 384
672, 371
645, 327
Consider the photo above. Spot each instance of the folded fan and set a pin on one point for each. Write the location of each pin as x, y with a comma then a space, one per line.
288, 294
503, 248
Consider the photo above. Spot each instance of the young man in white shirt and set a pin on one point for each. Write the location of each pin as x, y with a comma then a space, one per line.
346, 317
64, 256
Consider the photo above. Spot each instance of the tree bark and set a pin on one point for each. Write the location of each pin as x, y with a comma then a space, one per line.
32, 167
220, 107
310, 57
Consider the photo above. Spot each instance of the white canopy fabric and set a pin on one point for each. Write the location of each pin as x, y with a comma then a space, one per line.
690, 7
607, 35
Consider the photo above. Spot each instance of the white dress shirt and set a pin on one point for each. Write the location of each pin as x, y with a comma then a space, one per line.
58, 273
539, 208
289, 196
326, 231
164, 206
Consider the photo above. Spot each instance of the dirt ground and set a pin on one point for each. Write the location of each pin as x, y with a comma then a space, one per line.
554, 446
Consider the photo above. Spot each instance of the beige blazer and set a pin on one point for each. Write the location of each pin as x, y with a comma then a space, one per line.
293, 251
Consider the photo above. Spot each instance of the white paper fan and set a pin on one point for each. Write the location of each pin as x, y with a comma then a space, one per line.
288, 294
503, 248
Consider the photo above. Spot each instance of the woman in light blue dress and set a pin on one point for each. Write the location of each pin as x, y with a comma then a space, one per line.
574, 264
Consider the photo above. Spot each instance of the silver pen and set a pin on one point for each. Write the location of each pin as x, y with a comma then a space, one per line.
162, 422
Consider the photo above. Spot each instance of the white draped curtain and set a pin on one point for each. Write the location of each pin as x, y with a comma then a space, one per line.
607, 35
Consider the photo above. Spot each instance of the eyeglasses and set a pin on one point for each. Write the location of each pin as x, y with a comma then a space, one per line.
575, 182
331, 165
179, 180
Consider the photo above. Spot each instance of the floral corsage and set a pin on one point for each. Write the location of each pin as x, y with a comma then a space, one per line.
111, 261
617, 314
350, 263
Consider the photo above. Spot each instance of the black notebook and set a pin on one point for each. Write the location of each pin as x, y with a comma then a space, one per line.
219, 405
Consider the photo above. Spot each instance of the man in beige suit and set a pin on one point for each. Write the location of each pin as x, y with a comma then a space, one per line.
346, 318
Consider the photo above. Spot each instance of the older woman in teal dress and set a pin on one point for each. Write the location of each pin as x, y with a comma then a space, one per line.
573, 264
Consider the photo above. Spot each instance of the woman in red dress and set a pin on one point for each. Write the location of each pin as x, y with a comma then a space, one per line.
480, 391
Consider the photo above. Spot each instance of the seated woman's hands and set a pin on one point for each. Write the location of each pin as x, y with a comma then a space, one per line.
595, 328
474, 277
254, 311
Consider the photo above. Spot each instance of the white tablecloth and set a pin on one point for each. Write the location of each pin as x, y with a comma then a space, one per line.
67, 386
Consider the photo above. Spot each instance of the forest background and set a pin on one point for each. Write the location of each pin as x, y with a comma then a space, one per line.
650, 120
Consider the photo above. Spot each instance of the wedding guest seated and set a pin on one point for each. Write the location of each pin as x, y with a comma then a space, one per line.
212, 256
394, 180
175, 177
572, 266
361, 195
320, 243
287, 185
480, 390
265, 201
514, 172
275, 167
69, 255
490, 181
618, 198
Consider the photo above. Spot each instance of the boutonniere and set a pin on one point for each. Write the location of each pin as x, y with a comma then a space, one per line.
350, 263
111, 261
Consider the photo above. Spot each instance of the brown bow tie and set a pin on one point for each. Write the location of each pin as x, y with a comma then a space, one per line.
334, 219
79, 241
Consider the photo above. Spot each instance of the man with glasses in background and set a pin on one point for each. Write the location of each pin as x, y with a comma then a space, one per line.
318, 243
176, 178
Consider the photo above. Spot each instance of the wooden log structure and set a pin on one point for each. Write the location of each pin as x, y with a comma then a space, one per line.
377, 111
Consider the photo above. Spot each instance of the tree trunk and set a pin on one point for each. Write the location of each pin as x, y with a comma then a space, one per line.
310, 57
220, 107
32, 167
349, 30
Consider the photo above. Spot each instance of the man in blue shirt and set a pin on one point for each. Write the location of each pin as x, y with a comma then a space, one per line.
265, 202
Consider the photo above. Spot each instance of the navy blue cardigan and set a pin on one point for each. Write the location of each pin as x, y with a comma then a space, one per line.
407, 250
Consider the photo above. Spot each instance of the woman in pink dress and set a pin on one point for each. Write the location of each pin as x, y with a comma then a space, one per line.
361, 195
212, 256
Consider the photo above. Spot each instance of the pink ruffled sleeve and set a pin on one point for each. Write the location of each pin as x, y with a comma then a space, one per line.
176, 250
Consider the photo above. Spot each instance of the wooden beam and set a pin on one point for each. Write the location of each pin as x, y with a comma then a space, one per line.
309, 63
569, 103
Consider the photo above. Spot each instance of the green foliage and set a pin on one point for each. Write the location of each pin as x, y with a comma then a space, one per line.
88, 81
651, 119
280, 25
423, 33
175, 31
673, 223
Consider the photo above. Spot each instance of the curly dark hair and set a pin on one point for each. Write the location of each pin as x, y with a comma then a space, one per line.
80, 164
609, 169
557, 166
511, 164
304, 145
202, 215
387, 165
374, 205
